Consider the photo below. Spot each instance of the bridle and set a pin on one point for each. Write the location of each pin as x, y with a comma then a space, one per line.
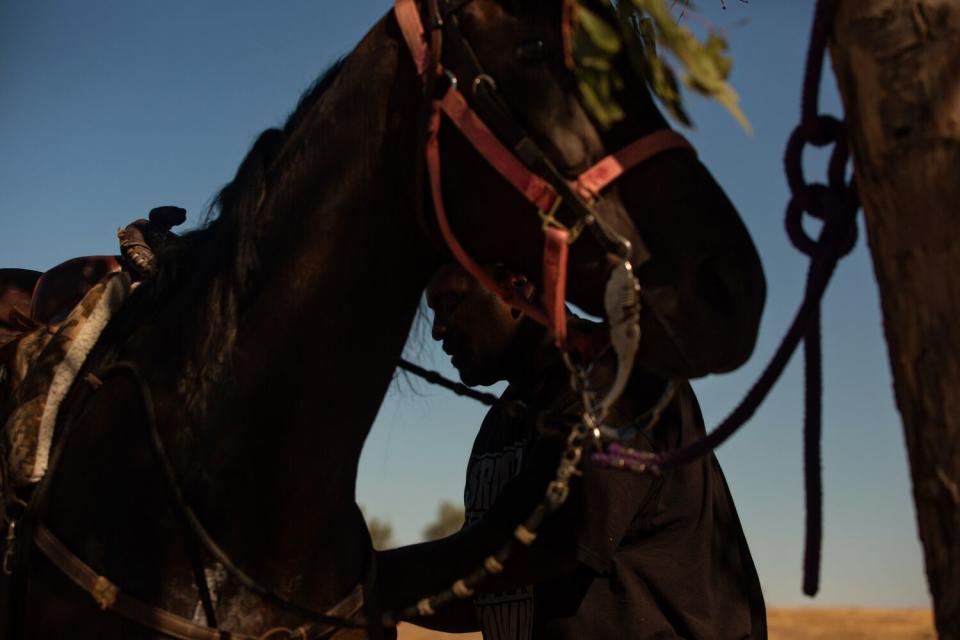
485, 120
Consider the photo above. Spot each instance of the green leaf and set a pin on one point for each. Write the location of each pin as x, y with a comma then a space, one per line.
596, 91
664, 85
716, 47
595, 43
600, 34
647, 30
707, 67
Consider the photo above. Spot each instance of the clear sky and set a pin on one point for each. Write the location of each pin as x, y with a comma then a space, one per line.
108, 108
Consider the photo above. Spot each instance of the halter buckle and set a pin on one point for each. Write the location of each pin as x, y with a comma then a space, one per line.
485, 81
549, 220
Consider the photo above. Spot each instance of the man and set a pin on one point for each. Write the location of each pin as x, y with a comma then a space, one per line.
627, 555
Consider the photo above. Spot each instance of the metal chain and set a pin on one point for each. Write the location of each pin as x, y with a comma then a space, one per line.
585, 433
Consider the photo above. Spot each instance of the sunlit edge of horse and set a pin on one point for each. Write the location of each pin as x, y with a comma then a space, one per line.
250, 391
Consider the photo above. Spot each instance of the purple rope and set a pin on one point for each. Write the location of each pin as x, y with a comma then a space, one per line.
836, 204
810, 97
813, 476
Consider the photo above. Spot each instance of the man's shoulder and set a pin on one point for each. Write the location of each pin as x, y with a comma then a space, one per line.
503, 424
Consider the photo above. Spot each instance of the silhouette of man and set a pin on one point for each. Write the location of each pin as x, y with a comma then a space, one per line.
627, 555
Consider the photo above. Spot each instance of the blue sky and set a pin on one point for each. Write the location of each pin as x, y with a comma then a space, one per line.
108, 108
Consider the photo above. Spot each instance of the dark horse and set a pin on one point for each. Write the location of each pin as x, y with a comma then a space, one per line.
269, 338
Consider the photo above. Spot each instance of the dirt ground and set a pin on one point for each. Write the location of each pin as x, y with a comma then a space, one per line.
797, 624
851, 624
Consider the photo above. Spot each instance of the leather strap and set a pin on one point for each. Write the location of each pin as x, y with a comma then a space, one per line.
109, 597
592, 181
555, 252
408, 17
534, 188
538, 191
461, 255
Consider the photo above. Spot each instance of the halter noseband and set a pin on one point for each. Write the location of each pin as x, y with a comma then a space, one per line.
519, 160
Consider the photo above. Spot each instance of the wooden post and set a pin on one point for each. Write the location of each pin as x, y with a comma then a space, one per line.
897, 64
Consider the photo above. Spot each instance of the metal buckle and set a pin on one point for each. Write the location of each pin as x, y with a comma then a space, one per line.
484, 79
15, 509
452, 79
549, 220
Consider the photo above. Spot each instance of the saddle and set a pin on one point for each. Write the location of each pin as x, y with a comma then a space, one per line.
48, 333
61, 288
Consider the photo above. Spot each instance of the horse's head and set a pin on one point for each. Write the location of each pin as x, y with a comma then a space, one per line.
510, 61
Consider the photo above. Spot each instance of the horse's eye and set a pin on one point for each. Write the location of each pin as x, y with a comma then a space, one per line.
531, 51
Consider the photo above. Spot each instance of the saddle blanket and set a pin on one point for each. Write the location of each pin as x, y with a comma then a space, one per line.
42, 370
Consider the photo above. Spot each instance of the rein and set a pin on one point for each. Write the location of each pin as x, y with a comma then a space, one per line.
108, 596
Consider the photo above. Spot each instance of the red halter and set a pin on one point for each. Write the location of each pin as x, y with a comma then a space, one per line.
534, 188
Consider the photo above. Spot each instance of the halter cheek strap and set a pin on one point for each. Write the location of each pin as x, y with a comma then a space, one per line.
466, 261
555, 244
538, 191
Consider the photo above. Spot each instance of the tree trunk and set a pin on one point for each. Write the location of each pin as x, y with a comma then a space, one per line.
897, 64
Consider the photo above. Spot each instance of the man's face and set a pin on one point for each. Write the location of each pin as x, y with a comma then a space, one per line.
475, 326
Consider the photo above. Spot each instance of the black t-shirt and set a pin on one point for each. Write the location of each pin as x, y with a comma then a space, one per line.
659, 557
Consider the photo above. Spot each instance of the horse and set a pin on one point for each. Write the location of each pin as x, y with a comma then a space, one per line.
268, 339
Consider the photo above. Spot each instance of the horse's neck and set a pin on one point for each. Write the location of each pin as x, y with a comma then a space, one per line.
315, 352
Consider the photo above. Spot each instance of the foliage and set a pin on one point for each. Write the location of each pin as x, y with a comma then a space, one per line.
449, 520
595, 43
643, 29
381, 533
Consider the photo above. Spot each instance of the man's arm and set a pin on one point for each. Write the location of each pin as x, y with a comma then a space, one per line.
409, 573
581, 535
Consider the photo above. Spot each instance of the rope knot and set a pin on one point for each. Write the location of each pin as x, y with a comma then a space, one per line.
830, 203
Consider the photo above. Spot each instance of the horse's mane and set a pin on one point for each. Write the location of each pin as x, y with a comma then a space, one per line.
209, 273
233, 212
